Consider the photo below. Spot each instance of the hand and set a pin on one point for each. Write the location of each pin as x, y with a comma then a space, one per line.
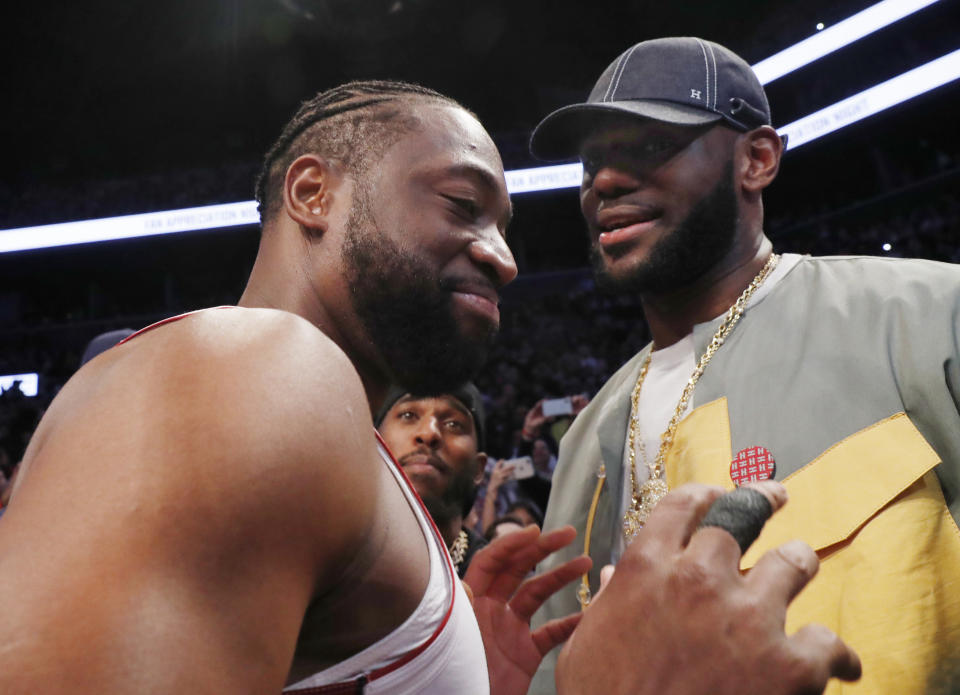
504, 602
502, 472
579, 401
678, 618
534, 421
742, 519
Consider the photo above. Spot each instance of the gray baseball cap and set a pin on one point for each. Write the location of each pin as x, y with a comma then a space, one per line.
680, 80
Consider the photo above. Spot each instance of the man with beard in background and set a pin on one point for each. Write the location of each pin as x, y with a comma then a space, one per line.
206, 508
439, 442
828, 373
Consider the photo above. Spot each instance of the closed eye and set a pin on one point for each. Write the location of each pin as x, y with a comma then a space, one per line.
466, 205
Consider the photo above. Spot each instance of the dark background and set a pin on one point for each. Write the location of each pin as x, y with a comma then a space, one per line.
112, 107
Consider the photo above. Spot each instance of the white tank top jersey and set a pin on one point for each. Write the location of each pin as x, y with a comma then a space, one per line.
436, 651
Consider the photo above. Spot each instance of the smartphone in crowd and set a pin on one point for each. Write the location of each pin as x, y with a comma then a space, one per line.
522, 467
557, 406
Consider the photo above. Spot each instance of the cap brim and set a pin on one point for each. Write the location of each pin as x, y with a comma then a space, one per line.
558, 136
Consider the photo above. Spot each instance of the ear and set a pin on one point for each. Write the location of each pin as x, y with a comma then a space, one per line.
309, 191
481, 466
762, 149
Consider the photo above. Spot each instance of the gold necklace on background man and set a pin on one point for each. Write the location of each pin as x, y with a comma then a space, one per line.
459, 548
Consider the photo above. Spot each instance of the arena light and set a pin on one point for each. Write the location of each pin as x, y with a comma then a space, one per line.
804, 130
544, 178
220, 216
29, 383
833, 38
129, 226
878, 98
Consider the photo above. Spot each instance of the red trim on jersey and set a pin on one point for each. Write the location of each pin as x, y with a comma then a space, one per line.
448, 563
357, 685
170, 319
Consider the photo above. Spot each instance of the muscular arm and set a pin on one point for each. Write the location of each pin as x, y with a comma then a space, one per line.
185, 502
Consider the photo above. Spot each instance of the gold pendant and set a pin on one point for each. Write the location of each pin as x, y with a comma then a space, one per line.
632, 523
651, 492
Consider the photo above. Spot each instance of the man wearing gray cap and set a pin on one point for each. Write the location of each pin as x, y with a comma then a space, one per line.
828, 374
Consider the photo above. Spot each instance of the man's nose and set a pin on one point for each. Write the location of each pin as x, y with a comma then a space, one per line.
611, 182
490, 251
428, 432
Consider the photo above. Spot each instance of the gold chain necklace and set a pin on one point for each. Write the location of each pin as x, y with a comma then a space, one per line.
459, 548
643, 498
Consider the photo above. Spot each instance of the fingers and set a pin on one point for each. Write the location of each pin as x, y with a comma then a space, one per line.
827, 655
554, 632
736, 516
606, 574
499, 568
742, 513
775, 492
490, 561
675, 519
528, 554
525, 557
557, 538
534, 417
500, 474
502, 469
579, 401
534, 591
782, 572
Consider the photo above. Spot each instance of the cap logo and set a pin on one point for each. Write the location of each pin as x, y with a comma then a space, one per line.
695, 94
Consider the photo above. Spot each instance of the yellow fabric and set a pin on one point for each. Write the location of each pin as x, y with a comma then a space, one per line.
889, 580
841, 489
701, 447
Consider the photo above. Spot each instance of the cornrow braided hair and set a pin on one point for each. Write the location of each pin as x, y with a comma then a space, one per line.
352, 124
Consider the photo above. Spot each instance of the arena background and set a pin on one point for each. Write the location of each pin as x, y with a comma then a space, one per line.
112, 108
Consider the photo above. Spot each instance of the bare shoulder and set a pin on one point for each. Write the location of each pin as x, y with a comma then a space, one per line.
249, 425
250, 394
243, 382
260, 366
216, 473
237, 370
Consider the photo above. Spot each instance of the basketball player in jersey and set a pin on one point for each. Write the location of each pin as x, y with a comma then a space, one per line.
206, 508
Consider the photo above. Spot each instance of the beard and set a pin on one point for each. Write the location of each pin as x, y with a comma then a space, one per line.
406, 312
682, 256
